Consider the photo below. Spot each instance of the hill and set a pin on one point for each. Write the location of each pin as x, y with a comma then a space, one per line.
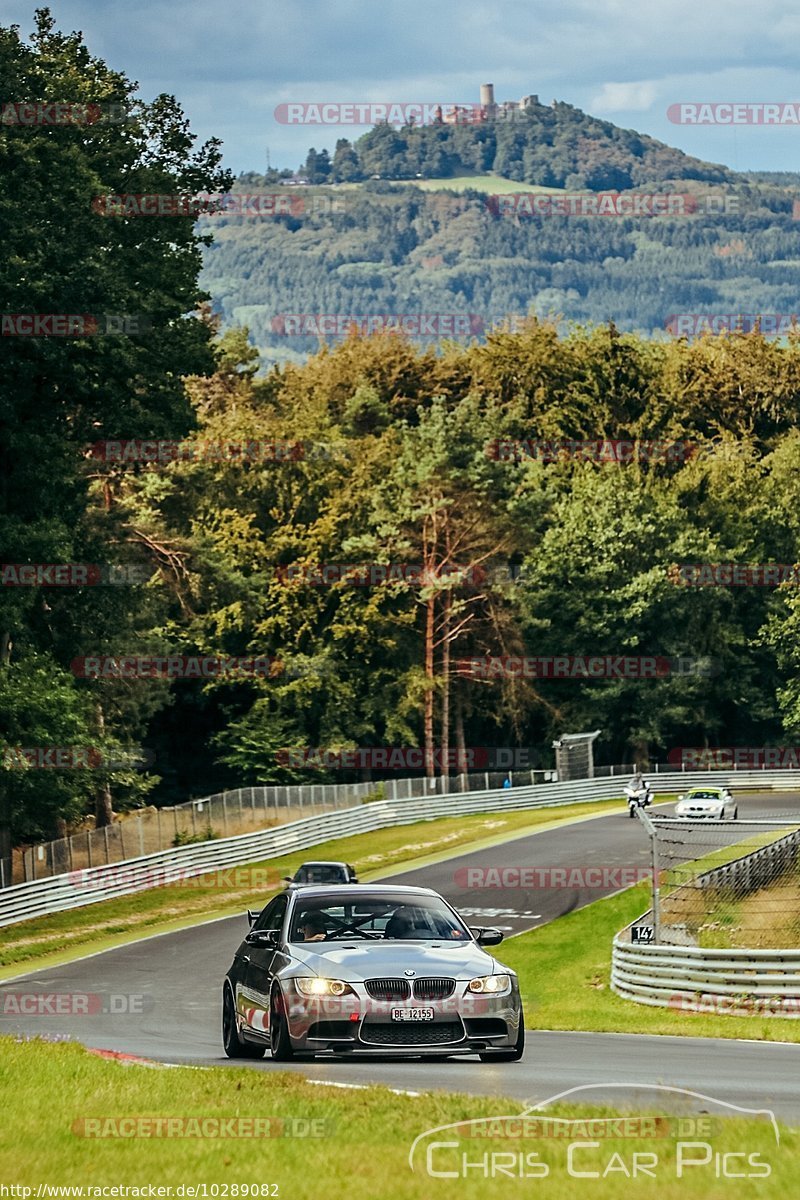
551, 146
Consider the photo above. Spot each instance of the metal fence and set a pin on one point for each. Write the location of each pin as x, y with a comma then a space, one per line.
224, 814
726, 884
79, 887
723, 932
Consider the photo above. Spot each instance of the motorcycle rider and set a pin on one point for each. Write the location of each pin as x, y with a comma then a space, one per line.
638, 790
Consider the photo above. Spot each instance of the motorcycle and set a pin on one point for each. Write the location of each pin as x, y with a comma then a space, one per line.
638, 797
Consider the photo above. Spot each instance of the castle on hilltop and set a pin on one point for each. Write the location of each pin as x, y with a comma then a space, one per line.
487, 108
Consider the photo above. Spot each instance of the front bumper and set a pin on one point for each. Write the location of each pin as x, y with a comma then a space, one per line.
464, 1023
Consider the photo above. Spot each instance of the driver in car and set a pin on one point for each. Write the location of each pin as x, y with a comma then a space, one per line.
313, 928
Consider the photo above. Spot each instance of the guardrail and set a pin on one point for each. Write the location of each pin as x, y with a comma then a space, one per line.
78, 888
700, 980
754, 870
243, 810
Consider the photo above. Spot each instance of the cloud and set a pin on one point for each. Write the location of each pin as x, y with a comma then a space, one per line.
637, 96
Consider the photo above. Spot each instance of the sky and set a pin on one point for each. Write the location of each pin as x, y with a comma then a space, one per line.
231, 64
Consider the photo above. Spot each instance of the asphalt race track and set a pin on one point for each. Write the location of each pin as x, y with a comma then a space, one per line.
176, 980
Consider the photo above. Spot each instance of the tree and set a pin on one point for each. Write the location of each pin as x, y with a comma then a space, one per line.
345, 167
59, 394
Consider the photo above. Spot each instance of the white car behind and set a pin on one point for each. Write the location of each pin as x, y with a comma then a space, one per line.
707, 803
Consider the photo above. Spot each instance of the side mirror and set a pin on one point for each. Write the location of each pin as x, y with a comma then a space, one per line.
262, 937
252, 915
488, 936
680, 798
287, 879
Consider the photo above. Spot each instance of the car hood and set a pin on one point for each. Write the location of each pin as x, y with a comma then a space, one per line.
354, 961
701, 802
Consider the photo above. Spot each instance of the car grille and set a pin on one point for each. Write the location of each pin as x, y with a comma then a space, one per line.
433, 989
388, 989
428, 1034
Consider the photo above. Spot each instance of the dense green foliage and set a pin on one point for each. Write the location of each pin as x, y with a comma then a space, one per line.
58, 394
387, 249
408, 479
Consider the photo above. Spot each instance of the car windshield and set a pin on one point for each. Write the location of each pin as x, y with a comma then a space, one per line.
418, 918
320, 873
704, 796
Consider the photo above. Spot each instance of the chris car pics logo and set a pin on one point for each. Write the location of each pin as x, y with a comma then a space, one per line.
532, 1145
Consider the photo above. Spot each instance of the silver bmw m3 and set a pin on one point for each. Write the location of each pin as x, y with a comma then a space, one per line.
369, 969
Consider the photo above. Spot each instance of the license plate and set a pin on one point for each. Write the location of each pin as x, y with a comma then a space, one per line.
412, 1014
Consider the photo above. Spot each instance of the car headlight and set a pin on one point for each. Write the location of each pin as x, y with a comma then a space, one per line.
323, 987
490, 984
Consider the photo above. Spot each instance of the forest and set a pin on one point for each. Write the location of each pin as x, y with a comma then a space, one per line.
470, 261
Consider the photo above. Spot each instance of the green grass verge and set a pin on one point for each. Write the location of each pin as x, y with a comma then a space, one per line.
46, 941
565, 970
53, 1095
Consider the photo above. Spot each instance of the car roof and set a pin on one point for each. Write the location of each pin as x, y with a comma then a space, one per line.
359, 889
323, 862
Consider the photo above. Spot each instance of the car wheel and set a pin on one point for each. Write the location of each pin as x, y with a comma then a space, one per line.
279, 1042
631, 813
735, 816
232, 1044
508, 1055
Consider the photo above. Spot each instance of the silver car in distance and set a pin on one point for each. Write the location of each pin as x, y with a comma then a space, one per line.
707, 803
369, 969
